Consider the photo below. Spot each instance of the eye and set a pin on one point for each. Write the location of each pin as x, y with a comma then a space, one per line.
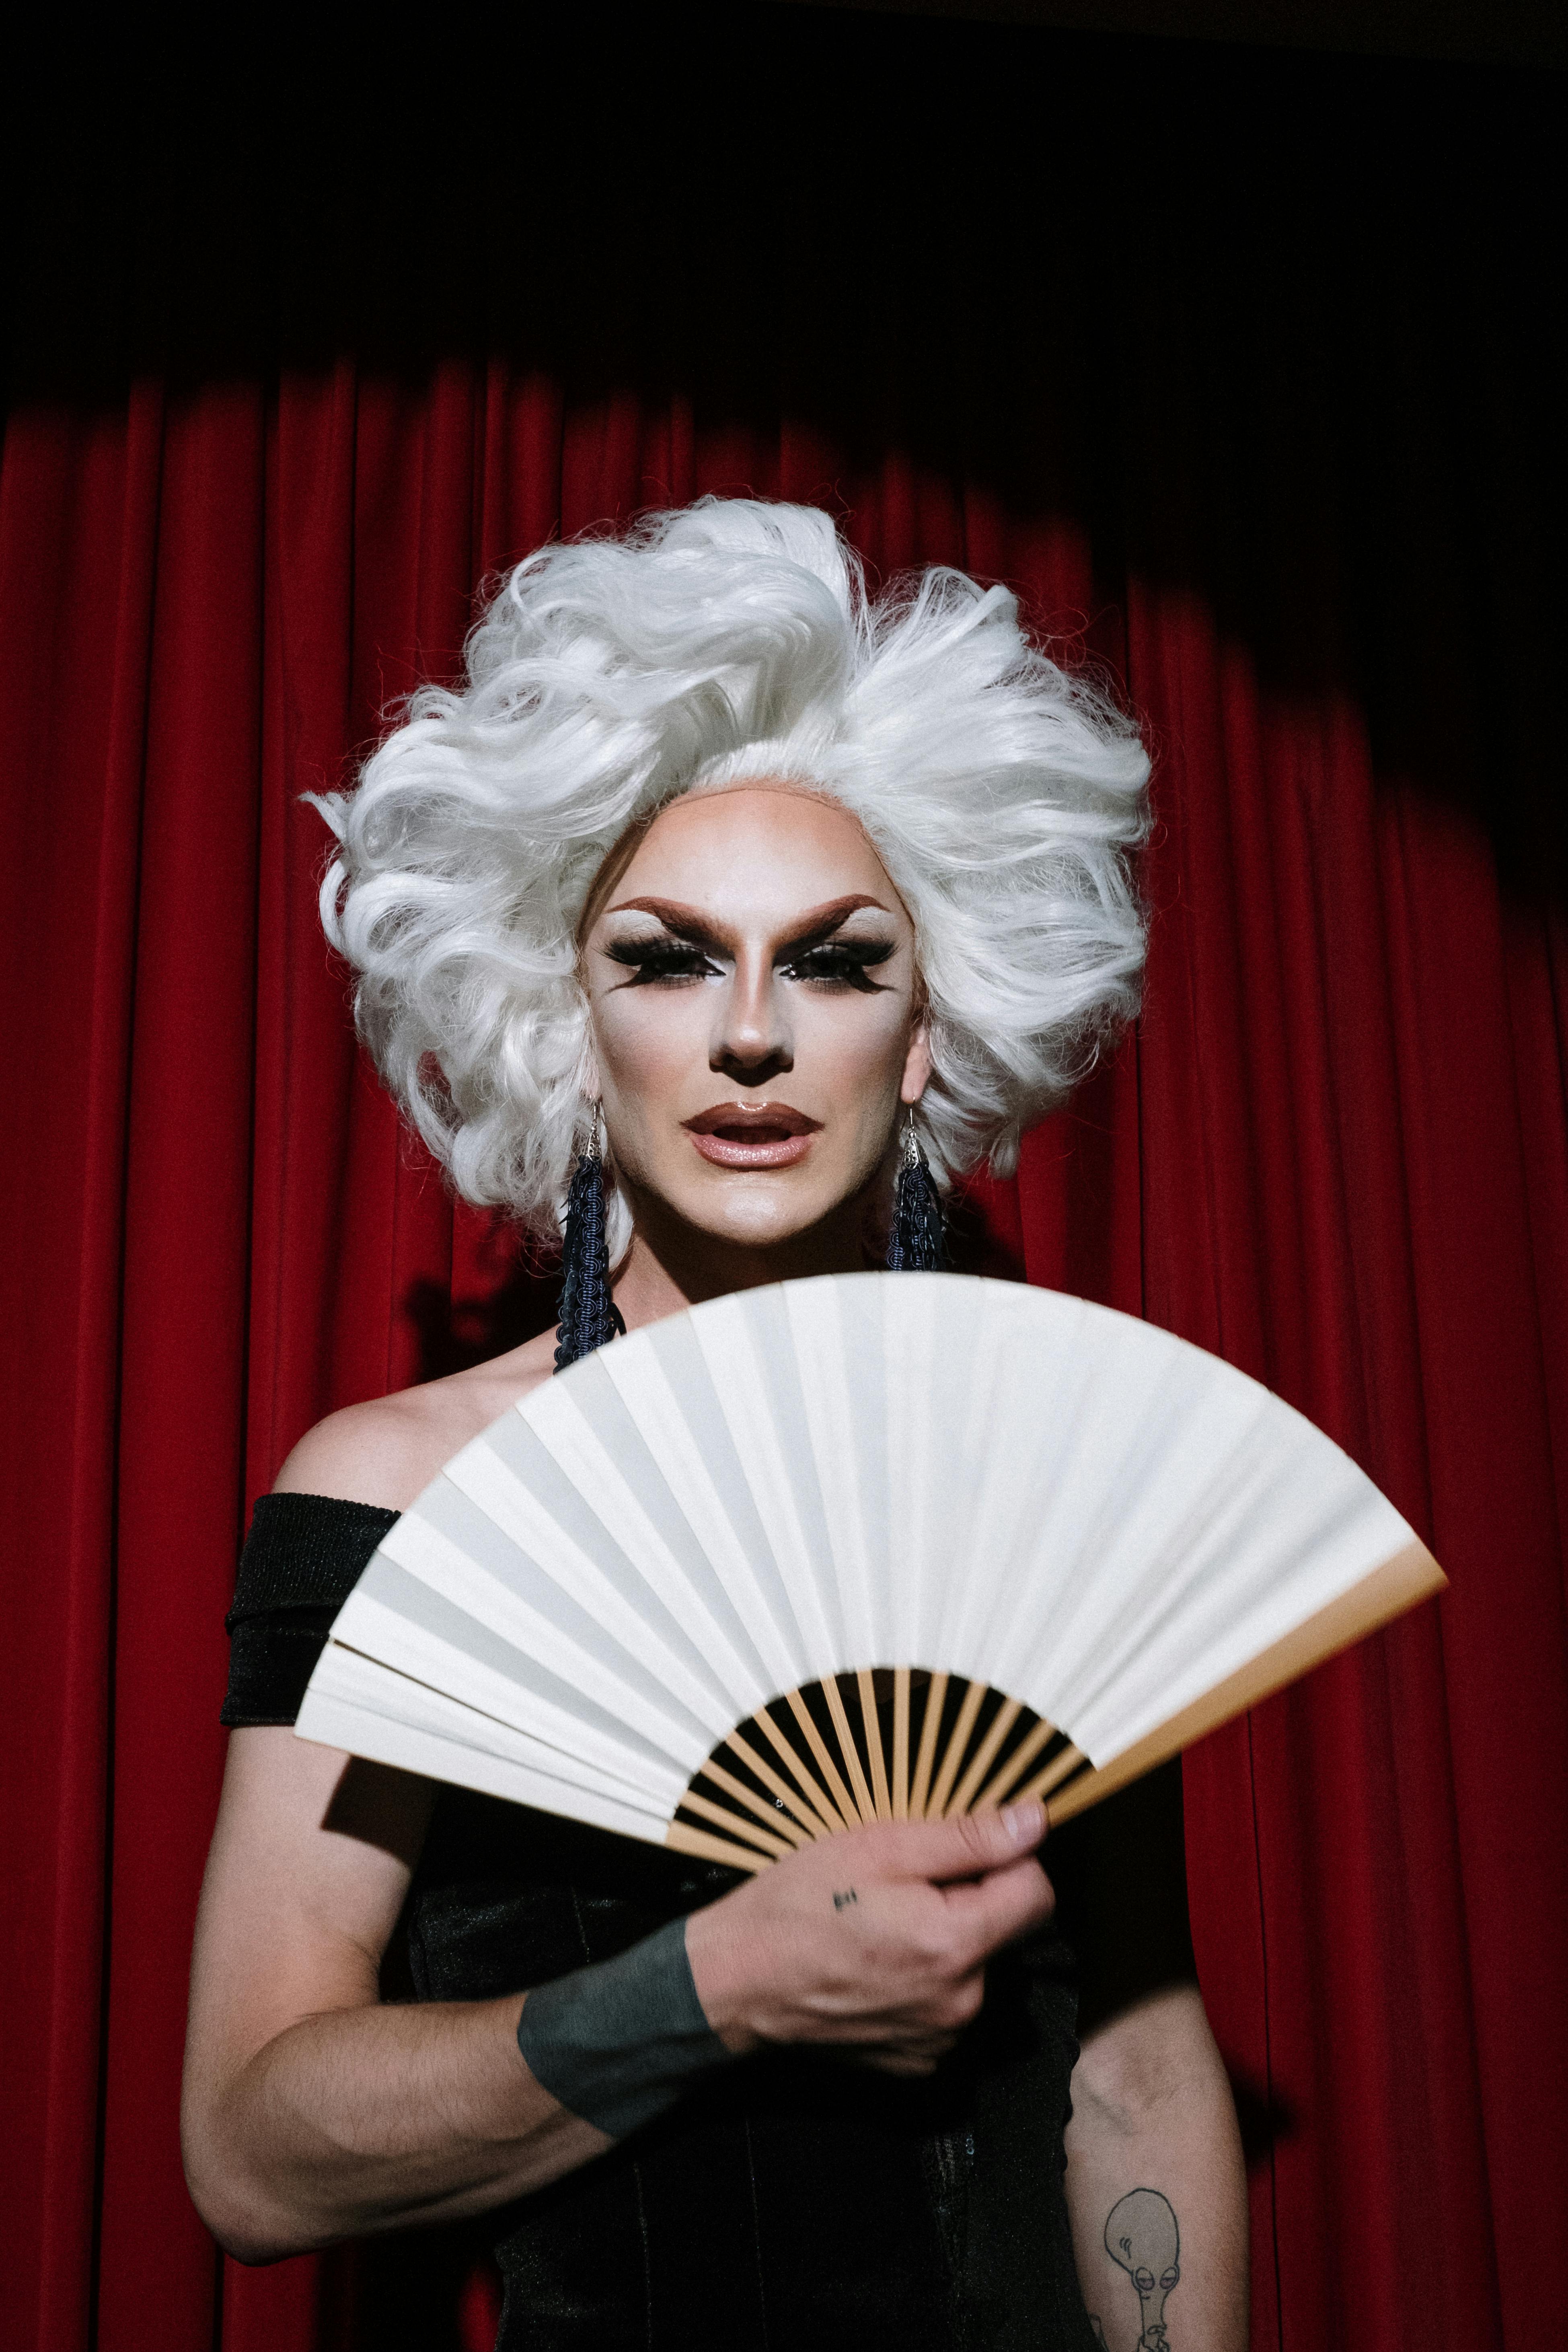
660, 962
841, 963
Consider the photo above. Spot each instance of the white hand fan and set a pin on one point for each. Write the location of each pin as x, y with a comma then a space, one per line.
869, 1546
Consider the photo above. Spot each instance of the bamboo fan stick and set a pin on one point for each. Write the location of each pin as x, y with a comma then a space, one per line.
726, 1818
851, 1754
753, 1803
816, 1819
843, 1803
1007, 1715
684, 1838
1016, 1767
936, 1695
816, 1794
952, 1755
1056, 1771
1087, 1790
873, 1724
901, 1743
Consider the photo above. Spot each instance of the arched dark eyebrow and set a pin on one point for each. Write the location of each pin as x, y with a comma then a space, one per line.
687, 923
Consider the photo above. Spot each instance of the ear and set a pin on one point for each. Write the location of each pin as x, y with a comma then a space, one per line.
917, 1063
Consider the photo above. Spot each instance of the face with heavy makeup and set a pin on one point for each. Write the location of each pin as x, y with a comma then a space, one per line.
757, 1019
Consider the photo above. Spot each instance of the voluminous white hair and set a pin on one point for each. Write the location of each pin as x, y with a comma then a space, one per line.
727, 642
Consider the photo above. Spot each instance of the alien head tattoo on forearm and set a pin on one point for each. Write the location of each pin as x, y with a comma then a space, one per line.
1142, 2237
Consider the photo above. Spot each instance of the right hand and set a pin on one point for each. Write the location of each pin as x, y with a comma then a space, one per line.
874, 1941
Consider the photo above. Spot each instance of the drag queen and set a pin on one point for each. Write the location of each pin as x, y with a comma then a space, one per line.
724, 915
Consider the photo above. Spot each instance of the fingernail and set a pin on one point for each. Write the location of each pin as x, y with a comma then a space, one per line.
1023, 1822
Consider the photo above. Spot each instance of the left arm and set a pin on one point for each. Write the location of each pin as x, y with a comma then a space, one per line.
1156, 2186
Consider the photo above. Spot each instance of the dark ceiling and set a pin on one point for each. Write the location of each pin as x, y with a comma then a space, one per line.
1518, 32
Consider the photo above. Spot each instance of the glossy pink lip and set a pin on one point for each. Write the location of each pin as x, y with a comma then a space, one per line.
752, 1135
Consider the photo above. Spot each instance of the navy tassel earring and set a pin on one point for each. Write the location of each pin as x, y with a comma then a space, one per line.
915, 1244
589, 1315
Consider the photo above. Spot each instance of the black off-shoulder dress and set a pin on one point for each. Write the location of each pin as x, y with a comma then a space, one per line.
792, 2204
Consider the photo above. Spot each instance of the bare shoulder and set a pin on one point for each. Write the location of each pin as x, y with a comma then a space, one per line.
387, 1450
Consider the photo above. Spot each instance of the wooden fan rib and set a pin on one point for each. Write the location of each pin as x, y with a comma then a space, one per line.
815, 1818
816, 1794
764, 1811
901, 1743
724, 1818
1018, 1764
953, 1753
857, 1781
930, 1723
1055, 1773
843, 1802
873, 1727
683, 1838
1007, 1715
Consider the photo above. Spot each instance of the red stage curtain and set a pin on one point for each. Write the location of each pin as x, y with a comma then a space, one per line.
1254, 408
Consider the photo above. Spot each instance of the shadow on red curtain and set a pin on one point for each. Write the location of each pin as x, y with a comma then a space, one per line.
1239, 368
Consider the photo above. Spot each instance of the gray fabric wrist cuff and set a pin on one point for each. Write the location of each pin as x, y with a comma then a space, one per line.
617, 2042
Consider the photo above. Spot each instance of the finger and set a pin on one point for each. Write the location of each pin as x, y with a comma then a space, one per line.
994, 1910
965, 1847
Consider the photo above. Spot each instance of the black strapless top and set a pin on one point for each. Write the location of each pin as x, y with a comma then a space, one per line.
791, 2200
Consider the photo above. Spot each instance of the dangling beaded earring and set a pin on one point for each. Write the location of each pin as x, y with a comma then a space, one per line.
915, 1242
589, 1315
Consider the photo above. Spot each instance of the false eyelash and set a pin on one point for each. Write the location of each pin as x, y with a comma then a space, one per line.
659, 959
849, 961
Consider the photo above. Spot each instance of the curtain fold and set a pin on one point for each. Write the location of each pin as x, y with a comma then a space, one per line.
1263, 429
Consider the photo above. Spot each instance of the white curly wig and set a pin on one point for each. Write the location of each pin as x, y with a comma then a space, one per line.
727, 642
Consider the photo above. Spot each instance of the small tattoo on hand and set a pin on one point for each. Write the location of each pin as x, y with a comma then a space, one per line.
849, 1896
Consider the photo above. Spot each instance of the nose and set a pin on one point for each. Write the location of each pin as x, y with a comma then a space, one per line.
750, 1040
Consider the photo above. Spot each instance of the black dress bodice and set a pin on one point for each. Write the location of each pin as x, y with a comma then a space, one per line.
789, 2200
